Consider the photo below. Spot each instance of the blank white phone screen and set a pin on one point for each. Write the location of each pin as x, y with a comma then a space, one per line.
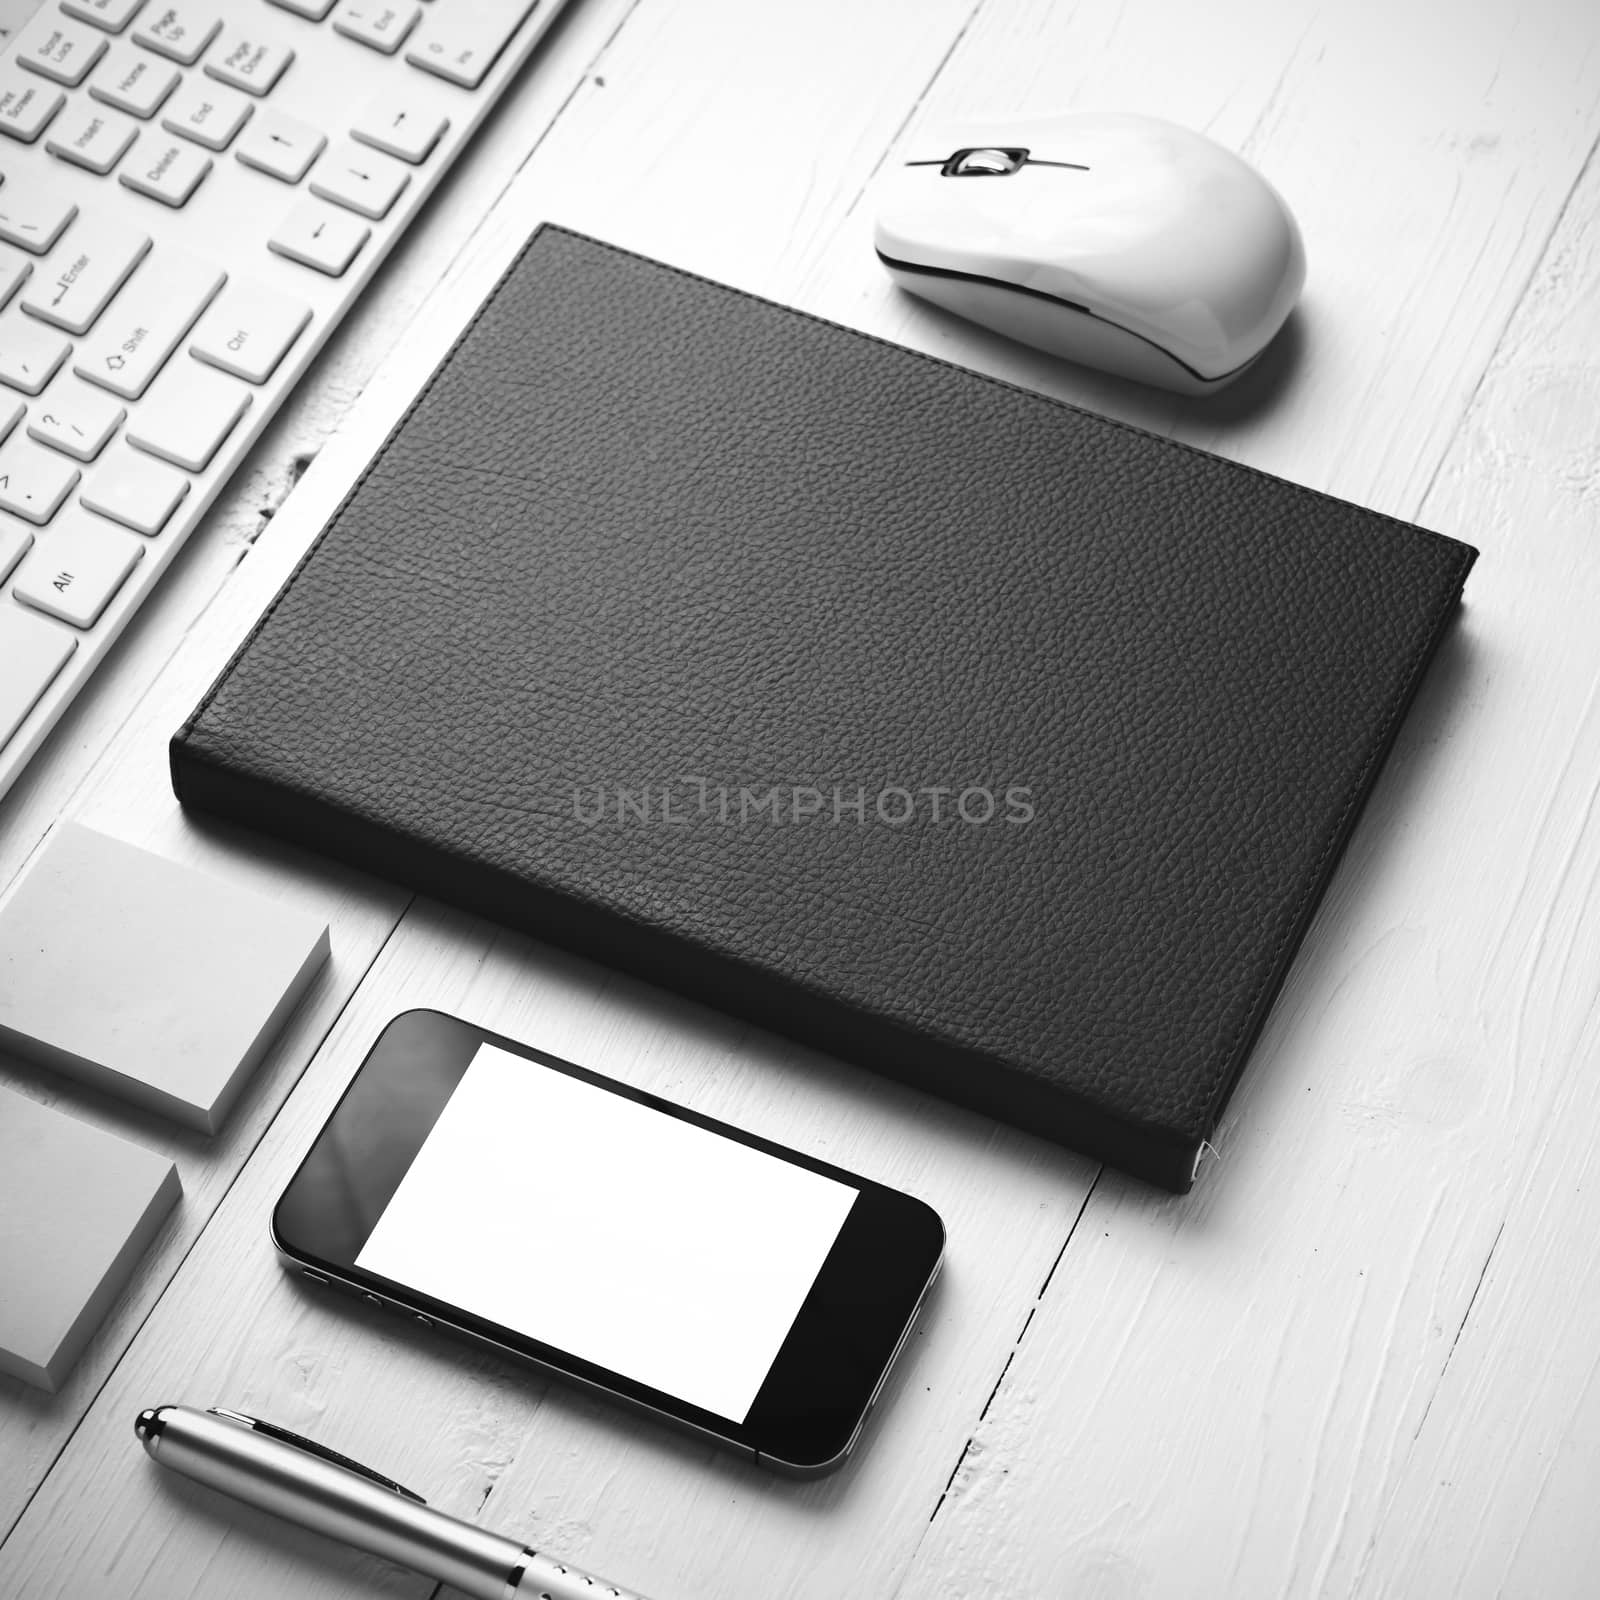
585, 1220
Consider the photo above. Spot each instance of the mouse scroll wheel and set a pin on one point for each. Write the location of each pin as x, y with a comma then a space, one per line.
987, 162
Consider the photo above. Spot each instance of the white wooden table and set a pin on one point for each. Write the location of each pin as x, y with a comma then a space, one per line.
1363, 1357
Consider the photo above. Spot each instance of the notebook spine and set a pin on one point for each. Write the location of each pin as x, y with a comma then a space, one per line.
206, 781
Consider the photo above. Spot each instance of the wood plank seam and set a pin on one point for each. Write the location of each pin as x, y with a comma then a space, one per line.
1472, 1300
915, 106
1535, 269
590, 71
1022, 1333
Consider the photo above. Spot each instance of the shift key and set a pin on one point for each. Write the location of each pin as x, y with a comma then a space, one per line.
147, 323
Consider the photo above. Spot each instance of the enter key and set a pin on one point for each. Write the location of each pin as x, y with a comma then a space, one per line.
71, 289
250, 330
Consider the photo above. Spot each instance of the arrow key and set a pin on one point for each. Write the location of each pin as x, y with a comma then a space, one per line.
360, 179
279, 145
401, 126
319, 236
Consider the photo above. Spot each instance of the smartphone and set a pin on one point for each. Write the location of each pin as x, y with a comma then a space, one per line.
737, 1288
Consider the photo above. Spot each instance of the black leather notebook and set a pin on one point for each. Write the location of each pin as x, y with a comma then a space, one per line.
980, 740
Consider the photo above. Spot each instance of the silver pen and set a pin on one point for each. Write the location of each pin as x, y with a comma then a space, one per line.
303, 1482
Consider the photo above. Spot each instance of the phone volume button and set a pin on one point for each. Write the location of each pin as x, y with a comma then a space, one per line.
314, 1277
373, 1300
417, 1316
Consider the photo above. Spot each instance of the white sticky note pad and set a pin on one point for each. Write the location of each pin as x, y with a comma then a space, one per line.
151, 980
78, 1208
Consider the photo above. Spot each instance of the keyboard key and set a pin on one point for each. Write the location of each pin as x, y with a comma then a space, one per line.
91, 138
166, 169
179, 32
249, 331
147, 322
112, 15
463, 43
57, 50
316, 10
75, 285
359, 179
33, 482
76, 419
134, 490
76, 568
14, 269
29, 352
207, 114
400, 126
247, 61
317, 236
188, 412
15, 541
32, 652
33, 212
12, 411
134, 81
280, 146
26, 104
381, 26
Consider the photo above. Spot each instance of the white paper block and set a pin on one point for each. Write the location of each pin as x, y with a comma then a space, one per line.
147, 979
77, 1209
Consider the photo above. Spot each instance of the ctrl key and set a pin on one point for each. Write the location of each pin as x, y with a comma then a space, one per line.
32, 651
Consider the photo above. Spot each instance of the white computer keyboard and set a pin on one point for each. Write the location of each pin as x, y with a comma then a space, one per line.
191, 195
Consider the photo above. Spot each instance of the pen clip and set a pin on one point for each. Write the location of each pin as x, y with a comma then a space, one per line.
312, 1448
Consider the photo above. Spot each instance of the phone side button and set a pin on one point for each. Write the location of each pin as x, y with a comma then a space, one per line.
315, 1277
373, 1300
426, 1322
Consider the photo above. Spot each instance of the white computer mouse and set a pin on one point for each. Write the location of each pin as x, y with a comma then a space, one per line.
1120, 241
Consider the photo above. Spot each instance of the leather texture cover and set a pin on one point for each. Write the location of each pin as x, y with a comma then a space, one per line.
991, 744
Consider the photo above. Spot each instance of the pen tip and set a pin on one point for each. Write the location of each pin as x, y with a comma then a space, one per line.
148, 1425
